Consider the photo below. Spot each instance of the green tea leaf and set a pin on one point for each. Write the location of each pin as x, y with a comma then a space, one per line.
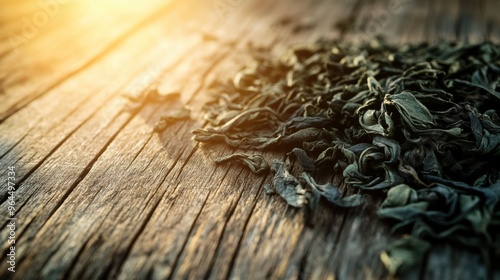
256, 163
417, 123
412, 111
403, 254
287, 186
332, 193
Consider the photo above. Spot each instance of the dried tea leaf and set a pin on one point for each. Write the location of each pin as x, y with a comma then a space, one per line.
166, 120
413, 112
287, 186
417, 122
304, 160
152, 95
332, 193
403, 254
256, 163
269, 189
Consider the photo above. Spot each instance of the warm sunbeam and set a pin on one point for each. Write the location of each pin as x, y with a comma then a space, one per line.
67, 17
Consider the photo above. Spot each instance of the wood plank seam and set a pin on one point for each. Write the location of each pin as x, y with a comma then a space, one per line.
80, 177
114, 271
67, 116
86, 170
176, 261
99, 107
240, 239
226, 221
185, 162
233, 259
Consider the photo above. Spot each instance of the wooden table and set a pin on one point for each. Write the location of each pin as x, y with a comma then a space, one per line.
98, 195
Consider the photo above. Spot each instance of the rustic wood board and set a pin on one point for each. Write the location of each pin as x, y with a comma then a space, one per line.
99, 195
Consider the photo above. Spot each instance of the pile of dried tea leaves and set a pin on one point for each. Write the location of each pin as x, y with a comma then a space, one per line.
417, 123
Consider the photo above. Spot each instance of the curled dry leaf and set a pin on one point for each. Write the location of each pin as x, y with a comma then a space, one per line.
256, 163
419, 123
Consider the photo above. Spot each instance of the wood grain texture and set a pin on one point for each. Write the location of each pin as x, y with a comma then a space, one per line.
102, 196
81, 35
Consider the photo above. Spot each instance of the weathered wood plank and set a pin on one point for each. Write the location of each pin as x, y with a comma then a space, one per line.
38, 136
11, 14
443, 26
125, 203
204, 243
53, 196
167, 159
216, 233
447, 262
387, 19
17, 68
52, 183
43, 119
109, 162
472, 26
493, 21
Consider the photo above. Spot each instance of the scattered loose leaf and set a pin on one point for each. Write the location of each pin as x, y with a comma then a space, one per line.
256, 163
418, 122
403, 254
